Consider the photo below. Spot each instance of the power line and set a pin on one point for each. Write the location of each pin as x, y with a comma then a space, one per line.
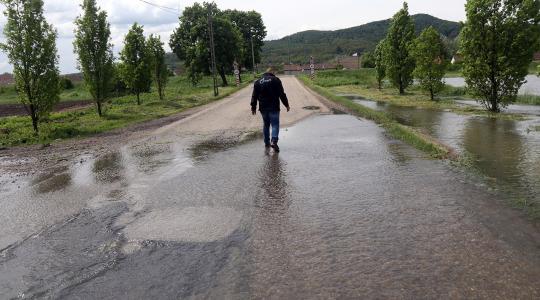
164, 8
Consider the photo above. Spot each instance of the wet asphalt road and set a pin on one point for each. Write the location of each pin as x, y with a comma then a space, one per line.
343, 212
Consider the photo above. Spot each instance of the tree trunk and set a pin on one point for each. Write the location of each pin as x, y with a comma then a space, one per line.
240, 74
35, 119
99, 108
160, 90
401, 88
493, 98
223, 77
494, 105
432, 94
138, 98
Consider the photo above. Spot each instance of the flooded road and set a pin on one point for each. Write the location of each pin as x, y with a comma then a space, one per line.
531, 86
506, 151
342, 212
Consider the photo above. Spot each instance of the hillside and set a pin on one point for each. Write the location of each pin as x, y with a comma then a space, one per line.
326, 45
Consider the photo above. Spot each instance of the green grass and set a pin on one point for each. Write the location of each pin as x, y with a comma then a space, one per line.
534, 68
528, 99
8, 95
396, 130
346, 77
119, 112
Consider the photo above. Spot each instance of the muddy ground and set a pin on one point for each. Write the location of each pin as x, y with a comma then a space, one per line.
8, 110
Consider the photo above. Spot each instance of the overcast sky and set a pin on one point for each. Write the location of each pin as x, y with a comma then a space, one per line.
282, 17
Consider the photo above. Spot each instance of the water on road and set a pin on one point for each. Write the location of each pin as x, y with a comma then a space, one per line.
342, 212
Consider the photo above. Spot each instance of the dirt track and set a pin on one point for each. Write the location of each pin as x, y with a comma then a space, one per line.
8, 110
233, 113
230, 115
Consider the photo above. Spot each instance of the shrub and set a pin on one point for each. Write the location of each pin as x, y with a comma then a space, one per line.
66, 84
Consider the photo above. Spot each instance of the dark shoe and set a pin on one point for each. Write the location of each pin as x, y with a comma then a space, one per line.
275, 147
267, 146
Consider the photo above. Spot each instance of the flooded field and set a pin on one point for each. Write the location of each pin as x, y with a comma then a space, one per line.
342, 212
507, 152
531, 87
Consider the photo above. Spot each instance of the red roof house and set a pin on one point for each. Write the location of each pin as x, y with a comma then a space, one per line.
6, 79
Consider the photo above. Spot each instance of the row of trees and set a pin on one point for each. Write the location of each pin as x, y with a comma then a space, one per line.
238, 35
497, 44
402, 56
31, 49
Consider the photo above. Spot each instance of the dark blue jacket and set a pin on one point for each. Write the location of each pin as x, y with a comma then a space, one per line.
268, 91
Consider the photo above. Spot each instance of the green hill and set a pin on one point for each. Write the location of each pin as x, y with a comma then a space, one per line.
326, 45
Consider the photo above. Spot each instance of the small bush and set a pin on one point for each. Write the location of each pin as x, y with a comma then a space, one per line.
66, 84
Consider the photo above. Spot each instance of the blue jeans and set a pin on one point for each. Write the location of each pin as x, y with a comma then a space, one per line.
270, 119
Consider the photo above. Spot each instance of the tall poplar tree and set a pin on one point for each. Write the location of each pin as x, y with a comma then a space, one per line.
380, 67
94, 50
31, 49
398, 59
159, 67
135, 69
431, 58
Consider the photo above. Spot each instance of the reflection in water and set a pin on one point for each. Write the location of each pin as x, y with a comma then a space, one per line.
270, 251
202, 150
502, 150
109, 168
55, 180
273, 183
497, 148
399, 155
149, 158
428, 119
53, 183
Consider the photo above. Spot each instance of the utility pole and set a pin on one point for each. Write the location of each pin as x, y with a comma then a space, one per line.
213, 52
253, 54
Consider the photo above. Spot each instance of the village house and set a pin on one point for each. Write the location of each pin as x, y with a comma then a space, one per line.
6, 79
295, 69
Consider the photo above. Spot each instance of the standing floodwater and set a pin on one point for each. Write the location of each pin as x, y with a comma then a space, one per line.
531, 86
506, 151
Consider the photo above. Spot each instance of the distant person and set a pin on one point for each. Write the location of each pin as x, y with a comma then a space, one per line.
267, 92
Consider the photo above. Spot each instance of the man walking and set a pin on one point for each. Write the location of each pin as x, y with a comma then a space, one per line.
268, 91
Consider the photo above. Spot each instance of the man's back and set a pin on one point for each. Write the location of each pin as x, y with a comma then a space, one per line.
268, 91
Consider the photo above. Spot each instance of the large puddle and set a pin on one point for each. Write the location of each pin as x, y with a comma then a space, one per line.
507, 152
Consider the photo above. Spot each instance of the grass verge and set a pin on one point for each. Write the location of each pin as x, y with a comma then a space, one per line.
528, 99
415, 98
394, 129
119, 113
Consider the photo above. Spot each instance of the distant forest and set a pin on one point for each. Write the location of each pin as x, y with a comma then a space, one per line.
327, 45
